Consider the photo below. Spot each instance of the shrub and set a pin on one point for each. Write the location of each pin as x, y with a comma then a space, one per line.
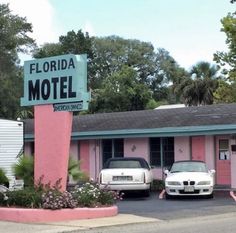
47, 197
3, 178
28, 198
109, 197
90, 195
75, 172
87, 195
54, 199
24, 169
157, 185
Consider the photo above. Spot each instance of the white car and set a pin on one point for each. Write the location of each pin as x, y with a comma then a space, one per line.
189, 178
126, 174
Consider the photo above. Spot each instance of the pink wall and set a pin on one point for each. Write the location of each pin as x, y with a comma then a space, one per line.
95, 158
74, 149
136, 147
210, 152
84, 156
182, 148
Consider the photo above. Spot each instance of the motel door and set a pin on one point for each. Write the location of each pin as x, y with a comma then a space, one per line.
223, 164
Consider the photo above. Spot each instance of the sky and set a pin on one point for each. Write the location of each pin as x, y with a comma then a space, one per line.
190, 30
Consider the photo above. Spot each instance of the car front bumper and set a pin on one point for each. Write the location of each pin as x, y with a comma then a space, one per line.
126, 187
184, 191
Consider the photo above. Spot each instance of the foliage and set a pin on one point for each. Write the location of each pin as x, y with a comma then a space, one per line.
90, 195
51, 197
28, 198
14, 38
75, 172
225, 93
3, 178
54, 199
121, 92
24, 169
140, 73
157, 185
198, 88
228, 59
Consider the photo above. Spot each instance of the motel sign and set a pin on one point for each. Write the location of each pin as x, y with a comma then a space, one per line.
59, 80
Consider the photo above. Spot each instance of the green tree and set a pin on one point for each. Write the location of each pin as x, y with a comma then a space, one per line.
112, 52
14, 39
72, 42
121, 92
228, 59
226, 92
198, 88
108, 56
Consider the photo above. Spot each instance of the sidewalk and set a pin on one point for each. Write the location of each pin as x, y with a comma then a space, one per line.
68, 226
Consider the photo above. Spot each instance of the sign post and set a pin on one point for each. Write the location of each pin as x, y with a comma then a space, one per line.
56, 86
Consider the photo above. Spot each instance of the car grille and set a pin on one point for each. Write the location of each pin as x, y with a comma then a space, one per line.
189, 182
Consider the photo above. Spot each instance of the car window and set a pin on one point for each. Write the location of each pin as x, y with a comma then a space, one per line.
188, 167
124, 164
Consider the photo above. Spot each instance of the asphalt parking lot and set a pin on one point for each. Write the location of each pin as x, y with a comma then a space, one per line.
176, 208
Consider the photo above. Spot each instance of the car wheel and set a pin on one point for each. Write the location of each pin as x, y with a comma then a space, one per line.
210, 196
167, 196
146, 193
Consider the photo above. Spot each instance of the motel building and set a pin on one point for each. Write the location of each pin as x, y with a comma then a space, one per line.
161, 136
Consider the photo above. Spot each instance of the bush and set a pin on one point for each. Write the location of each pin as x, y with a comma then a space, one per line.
108, 197
27, 198
3, 178
90, 195
157, 185
47, 197
24, 169
54, 199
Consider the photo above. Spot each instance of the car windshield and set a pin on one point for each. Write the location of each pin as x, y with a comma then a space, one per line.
188, 167
124, 164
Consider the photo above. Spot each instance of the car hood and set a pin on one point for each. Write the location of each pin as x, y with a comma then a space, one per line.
183, 176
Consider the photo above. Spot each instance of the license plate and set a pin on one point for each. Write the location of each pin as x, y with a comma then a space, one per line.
189, 189
122, 178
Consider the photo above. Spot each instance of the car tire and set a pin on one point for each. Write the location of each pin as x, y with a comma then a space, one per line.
210, 196
146, 193
167, 196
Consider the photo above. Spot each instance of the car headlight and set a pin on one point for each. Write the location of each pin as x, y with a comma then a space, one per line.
173, 183
204, 183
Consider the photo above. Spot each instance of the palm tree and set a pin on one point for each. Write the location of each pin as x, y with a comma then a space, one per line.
199, 87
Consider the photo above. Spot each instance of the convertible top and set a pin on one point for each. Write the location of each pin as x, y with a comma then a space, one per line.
142, 161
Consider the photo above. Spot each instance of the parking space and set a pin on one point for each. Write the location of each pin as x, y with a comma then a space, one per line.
177, 207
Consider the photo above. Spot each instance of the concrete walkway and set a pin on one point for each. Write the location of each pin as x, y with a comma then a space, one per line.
67, 226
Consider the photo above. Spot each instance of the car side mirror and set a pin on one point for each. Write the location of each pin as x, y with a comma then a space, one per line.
212, 171
166, 172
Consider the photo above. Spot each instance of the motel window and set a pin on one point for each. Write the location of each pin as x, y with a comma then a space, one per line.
112, 148
224, 149
32, 148
162, 151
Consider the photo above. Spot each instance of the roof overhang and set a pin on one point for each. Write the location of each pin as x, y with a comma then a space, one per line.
154, 132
